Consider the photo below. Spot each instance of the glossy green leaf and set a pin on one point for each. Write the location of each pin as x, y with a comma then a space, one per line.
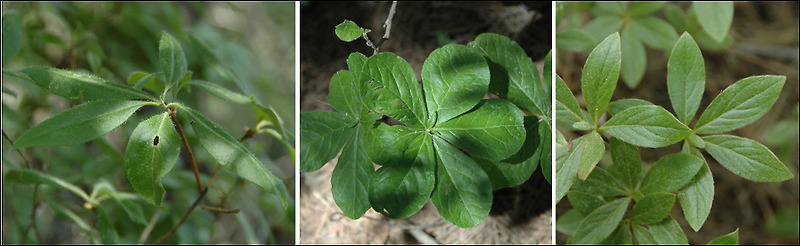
644, 8
568, 111
747, 158
601, 183
714, 17
668, 232
600, 74
219, 91
671, 173
686, 78
647, 126
173, 61
152, 150
585, 149
12, 34
105, 227
70, 84
575, 40
593, 152
600, 27
600, 223
546, 134
493, 131
634, 59
322, 136
231, 154
585, 202
396, 91
408, 178
652, 208
727, 239
351, 177
568, 222
518, 168
24, 176
740, 104
696, 198
463, 193
654, 32
348, 31
80, 123
627, 165
514, 75
455, 78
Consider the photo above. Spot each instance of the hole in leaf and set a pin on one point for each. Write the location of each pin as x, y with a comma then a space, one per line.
155, 141
191, 122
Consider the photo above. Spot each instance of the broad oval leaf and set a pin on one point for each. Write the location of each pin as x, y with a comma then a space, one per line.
627, 165
70, 84
351, 176
173, 61
219, 91
634, 59
455, 78
493, 131
652, 208
714, 17
396, 92
740, 104
686, 78
348, 31
668, 232
463, 193
80, 123
399, 191
322, 136
600, 75
670, 173
231, 154
24, 176
654, 32
152, 150
518, 168
696, 198
600, 223
747, 158
568, 222
12, 34
647, 126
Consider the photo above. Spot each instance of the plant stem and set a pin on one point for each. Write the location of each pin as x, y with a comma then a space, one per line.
18, 151
149, 228
185, 215
173, 111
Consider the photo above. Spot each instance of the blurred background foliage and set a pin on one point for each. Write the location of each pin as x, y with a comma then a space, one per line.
246, 47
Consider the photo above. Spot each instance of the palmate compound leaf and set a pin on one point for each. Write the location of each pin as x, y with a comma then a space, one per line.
740, 104
152, 150
396, 91
80, 123
463, 193
455, 78
350, 178
70, 84
518, 168
231, 154
647, 126
322, 136
494, 130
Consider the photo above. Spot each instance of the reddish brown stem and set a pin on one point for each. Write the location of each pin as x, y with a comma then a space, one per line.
174, 110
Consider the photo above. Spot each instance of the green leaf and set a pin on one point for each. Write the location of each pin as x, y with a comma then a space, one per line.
585, 151
654, 32
593, 152
668, 232
575, 40
351, 177
105, 227
68, 215
696, 141
644, 8
152, 150
568, 222
322, 136
23, 176
642, 235
727, 239
696, 198
463, 193
627, 165
348, 31
76, 85
714, 17
621, 236
585, 202
231, 154
80, 123
600, 74
647, 126
407, 178
219, 91
514, 75
396, 92
634, 58
266, 117
518, 168
740, 104
568, 111
493, 131
609, 8
671, 173
686, 78
128, 203
601, 183
545, 133
652, 208
12, 34
747, 158
599, 224
173, 61
455, 79
600, 27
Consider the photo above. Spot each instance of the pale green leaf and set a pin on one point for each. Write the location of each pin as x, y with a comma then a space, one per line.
747, 158
568, 222
668, 232
601, 183
351, 177
599, 224
80, 123
12, 34
642, 235
568, 111
152, 150
105, 228
593, 152
609, 8
644, 8
219, 91
24, 176
652, 208
584, 150
575, 40
396, 90
70, 84
671, 173
455, 78
68, 215
696, 198
600, 74
714, 17
627, 165
173, 61
727, 239
600, 27
493, 131
654, 32
686, 78
348, 31
322, 136
647, 126
463, 193
740, 104
634, 58
408, 180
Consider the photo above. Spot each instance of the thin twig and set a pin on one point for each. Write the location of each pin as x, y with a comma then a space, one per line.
174, 110
185, 215
220, 210
35, 205
149, 228
388, 26
18, 151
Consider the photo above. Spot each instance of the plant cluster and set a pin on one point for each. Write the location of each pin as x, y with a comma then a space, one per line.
601, 198
451, 145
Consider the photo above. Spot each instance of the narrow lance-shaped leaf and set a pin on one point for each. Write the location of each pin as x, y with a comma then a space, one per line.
546, 159
80, 123
494, 130
747, 158
231, 154
219, 91
600, 223
322, 136
70, 84
173, 61
568, 111
740, 104
634, 58
23, 176
583, 150
12, 34
593, 152
152, 150
463, 193
686, 78
671, 173
350, 178
696, 198
455, 78
714, 17
647, 126
600, 74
